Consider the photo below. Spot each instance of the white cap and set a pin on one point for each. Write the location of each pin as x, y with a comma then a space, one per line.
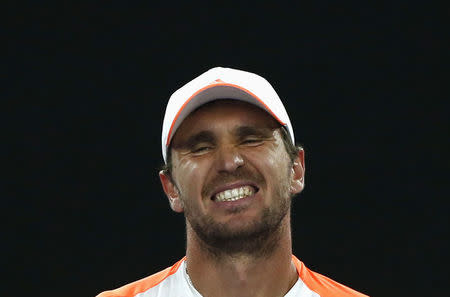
221, 83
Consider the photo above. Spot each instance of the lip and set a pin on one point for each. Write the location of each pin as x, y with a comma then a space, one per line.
232, 186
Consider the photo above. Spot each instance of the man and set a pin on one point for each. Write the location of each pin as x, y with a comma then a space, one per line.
232, 168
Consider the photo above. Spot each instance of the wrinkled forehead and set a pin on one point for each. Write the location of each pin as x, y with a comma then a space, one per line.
227, 112
230, 107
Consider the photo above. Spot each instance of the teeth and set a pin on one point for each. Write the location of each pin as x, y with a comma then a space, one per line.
234, 194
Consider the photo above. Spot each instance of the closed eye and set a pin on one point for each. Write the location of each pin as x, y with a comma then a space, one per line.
201, 149
252, 141
252, 136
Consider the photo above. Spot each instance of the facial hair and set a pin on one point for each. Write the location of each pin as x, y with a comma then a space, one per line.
258, 237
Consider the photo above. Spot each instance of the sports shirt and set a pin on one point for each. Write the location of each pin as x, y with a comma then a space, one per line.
174, 281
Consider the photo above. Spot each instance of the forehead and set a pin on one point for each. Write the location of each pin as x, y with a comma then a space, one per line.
223, 115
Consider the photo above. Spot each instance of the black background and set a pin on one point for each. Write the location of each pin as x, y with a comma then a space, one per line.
362, 83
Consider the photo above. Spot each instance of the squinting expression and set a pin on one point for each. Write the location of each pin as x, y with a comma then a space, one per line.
231, 174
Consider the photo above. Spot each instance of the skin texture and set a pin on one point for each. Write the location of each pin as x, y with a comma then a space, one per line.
244, 246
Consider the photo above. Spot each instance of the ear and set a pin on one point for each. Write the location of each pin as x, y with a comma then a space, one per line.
171, 191
298, 173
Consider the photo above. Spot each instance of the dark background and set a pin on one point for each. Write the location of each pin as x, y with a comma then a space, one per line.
362, 83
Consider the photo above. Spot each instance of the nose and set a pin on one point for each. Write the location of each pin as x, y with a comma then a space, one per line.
228, 159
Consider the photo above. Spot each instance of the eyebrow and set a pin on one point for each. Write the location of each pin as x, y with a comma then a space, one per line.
202, 136
243, 131
207, 136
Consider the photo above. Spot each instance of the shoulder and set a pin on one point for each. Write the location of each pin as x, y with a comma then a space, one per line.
142, 285
323, 285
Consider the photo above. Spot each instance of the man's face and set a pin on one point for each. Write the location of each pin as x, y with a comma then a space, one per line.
231, 174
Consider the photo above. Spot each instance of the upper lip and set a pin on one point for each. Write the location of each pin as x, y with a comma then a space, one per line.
233, 185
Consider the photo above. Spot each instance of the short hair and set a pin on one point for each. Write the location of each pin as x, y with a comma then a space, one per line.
291, 149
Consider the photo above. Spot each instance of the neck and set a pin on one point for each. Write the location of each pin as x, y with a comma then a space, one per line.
266, 272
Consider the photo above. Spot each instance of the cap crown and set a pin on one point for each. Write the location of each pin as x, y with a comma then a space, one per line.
221, 83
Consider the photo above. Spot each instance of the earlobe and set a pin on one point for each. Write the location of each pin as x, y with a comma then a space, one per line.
171, 191
298, 173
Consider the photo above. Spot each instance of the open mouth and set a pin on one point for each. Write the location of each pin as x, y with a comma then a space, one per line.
234, 194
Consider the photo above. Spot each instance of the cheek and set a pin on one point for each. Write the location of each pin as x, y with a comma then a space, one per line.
274, 164
273, 156
188, 177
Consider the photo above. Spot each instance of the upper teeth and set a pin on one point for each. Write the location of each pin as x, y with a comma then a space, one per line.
234, 194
